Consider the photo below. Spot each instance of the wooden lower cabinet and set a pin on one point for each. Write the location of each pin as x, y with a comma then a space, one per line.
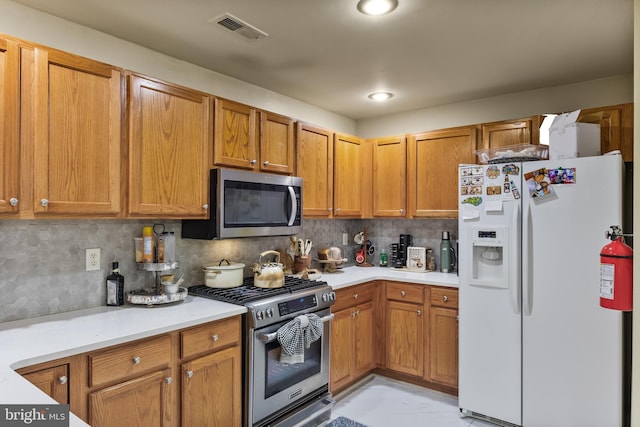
54, 381
442, 364
212, 390
144, 401
352, 354
404, 338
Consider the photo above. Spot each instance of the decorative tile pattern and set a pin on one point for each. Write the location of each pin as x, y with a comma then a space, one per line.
42, 263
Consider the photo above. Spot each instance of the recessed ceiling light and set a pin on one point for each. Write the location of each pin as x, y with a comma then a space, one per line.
380, 96
377, 7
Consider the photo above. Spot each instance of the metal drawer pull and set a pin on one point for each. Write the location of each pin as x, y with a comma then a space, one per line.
419, 313
189, 374
355, 296
403, 293
445, 298
44, 202
267, 338
13, 201
63, 379
215, 337
168, 380
136, 360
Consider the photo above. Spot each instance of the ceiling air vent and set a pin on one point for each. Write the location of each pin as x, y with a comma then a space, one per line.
239, 27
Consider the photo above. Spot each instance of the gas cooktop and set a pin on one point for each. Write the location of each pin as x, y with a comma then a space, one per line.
247, 293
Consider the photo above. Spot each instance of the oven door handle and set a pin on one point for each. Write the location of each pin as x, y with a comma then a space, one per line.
267, 338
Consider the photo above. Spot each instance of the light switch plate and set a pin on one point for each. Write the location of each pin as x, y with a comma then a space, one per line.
93, 259
345, 238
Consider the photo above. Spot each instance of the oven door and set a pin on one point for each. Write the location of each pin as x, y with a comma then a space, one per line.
275, 386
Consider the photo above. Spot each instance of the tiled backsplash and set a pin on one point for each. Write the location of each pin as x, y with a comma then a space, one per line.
42, 263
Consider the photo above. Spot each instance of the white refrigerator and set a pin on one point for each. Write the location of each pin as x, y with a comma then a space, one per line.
535, 347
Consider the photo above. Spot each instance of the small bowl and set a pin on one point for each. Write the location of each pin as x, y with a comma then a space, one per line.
170, 288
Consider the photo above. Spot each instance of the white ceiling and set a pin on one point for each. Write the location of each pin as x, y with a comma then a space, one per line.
427, 52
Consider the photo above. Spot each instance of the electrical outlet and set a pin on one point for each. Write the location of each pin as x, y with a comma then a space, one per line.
93, 259
345, 238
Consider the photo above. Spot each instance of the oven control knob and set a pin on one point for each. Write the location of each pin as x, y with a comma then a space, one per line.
325, 297
260, 315
332, 296
269, 312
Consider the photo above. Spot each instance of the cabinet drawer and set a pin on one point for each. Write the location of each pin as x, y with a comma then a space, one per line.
130, 359
444, 297
210, 336
353, 295
405, 292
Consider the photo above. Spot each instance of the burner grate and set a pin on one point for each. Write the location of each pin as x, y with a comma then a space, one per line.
246, 292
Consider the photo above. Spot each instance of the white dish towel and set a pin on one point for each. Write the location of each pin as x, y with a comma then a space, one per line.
296, 335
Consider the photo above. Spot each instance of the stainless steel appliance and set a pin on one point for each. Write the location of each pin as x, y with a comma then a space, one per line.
278, 394
248, 204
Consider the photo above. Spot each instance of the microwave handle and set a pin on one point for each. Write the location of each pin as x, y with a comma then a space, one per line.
294, 206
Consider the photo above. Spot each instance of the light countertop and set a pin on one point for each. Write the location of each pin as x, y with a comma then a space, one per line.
42, 339
353, 275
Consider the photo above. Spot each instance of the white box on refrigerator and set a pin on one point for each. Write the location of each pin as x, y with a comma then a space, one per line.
570, 139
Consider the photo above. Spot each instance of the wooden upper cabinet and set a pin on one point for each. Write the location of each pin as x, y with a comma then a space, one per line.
77, 133
511, 132
616, 127
314, 163
351, 178
235, 137
276, 143
170, 134
9, 127
433, 159
389, 176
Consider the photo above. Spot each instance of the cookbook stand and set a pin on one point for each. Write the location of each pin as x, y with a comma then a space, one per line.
365, 263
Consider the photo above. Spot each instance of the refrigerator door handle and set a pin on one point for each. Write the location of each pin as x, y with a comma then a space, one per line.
526, 280
514, 261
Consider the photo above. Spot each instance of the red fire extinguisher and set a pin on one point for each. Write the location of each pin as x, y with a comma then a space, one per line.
616, 273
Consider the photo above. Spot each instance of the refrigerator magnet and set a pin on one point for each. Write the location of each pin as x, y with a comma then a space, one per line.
474, 201
493, 172
494, 190
562, 176
511, 169
538, 183
465, 171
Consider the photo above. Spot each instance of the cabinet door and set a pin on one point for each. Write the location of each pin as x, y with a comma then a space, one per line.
341, 348
53, 381
141, 402
235, 139
443, 346
314, 163
405, 349
349, 181
169, 138
77, 132
389, 176
276, 143
511, 132
363, 322
616, 128
433, 159
9, 127
212, 390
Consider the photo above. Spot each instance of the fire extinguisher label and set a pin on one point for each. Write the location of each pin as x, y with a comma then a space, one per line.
607, 273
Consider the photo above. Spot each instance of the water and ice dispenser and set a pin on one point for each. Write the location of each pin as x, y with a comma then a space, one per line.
489, 256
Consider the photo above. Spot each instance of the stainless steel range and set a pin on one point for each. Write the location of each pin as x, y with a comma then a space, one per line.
279, 394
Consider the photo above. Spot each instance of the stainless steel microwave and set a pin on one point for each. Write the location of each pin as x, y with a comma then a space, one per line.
249, 204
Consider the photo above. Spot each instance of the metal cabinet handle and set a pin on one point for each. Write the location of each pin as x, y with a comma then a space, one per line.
63, 379
266, 163
337, 209
401, 211
270, 337
205, 207
358, 313
330, 209
402, 293
215, 337
13, 201
445, 298
253, 162
355, 296
44, 202
168, 380
136, 360
189, 374
419, 312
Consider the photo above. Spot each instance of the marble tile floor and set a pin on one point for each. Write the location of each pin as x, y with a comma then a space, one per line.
378, 401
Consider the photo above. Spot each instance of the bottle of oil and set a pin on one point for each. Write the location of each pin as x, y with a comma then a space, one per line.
115, 286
